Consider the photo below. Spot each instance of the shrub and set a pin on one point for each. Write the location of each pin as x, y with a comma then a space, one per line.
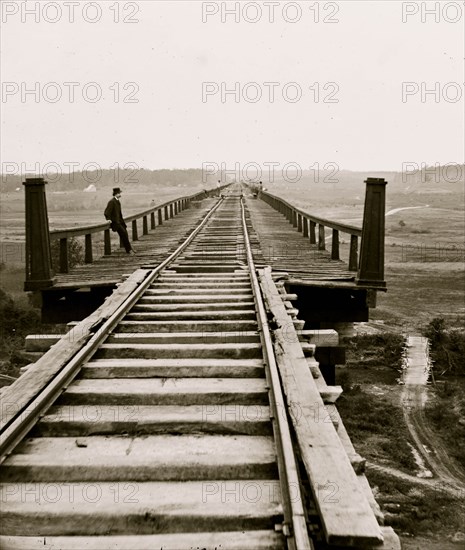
15, 321
75, 253
382, 349
447, 347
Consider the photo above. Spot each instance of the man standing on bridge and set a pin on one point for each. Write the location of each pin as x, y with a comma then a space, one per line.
114, 214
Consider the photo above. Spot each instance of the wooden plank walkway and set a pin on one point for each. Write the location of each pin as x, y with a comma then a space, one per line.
285, 249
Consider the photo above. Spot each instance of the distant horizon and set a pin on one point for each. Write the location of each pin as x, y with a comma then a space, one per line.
230, 169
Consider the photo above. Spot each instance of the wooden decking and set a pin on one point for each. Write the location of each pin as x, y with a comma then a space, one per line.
285, 249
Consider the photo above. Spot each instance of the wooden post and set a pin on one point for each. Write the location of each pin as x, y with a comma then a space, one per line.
64, 263
321, 237
305, 227
160, 217
294, 218
39, 272
88, 257
166, 212
107, 242
152, 220
353, 255
299, 223
371, 268
335, 245
135, 236
171, 210
312, 232
145, 227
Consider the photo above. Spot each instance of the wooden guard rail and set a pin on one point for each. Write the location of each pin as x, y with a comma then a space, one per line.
370, 265
38, 235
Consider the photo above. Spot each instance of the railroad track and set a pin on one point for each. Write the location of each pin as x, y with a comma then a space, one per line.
166, 430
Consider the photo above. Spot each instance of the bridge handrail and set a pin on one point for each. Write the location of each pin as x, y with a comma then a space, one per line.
338, 226
96, 228
39, 269
369, 264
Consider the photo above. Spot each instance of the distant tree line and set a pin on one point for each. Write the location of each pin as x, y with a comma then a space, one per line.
106, 179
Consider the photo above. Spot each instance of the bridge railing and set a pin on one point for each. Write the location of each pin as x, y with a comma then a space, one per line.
369, 264
39, 272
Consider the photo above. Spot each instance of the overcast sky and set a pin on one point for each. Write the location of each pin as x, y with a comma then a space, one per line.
349, 69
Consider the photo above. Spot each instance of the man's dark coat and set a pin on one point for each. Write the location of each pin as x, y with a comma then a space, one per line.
113, 213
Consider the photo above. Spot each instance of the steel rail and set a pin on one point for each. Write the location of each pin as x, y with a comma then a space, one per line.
294, 515
14, 432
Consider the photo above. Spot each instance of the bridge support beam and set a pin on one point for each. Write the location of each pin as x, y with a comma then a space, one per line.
371, 266
39, 272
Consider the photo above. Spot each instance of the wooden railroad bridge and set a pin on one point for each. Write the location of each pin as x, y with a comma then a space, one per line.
290, 240
194, 405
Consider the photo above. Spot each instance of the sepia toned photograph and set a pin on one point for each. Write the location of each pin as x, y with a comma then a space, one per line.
232, 275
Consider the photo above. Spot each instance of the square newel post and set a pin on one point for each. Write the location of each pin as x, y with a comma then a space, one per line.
39, 273
371, 262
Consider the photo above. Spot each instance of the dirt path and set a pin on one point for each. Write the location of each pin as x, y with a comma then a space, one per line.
432, 484
413, 399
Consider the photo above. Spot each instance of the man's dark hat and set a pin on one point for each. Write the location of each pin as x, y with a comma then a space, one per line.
116, 190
